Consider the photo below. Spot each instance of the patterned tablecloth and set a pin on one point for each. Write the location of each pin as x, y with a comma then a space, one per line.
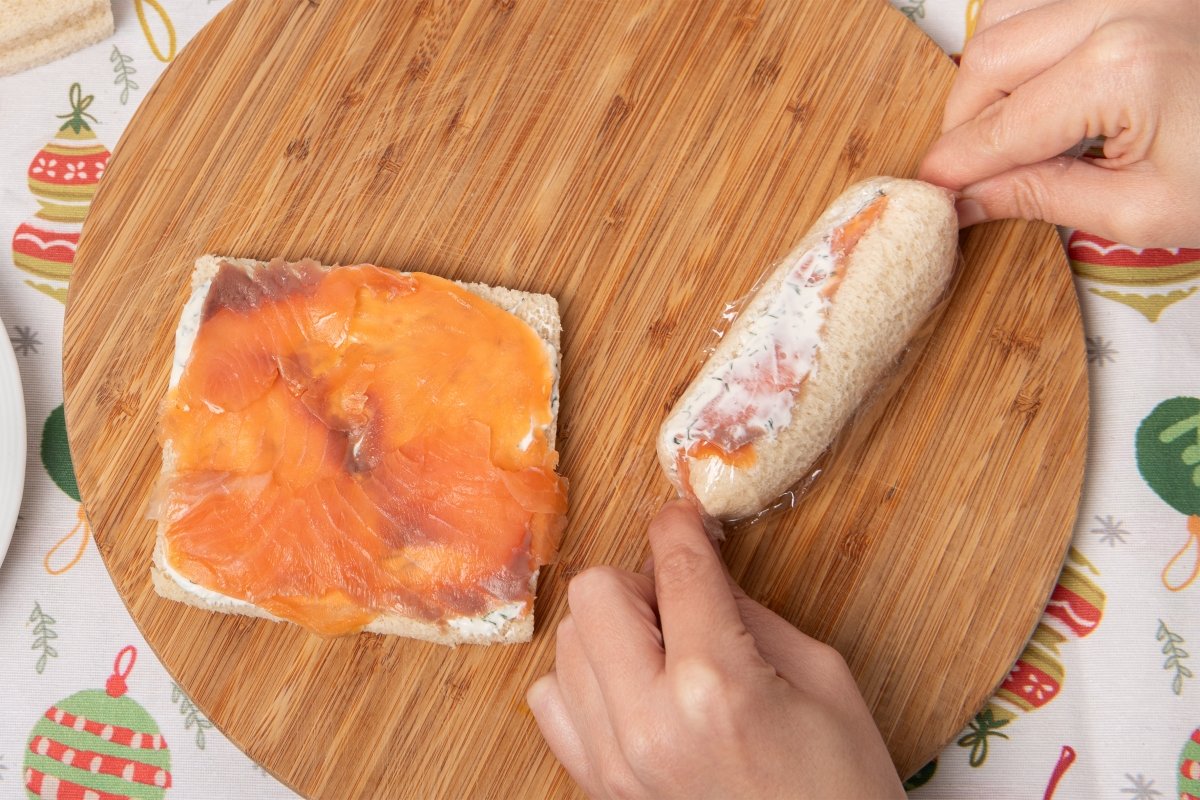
1103, 703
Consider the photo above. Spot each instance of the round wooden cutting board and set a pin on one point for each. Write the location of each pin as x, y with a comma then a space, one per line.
644, 161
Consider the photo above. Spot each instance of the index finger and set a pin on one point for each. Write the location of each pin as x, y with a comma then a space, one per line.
993, 12
1009, 54
1039, 120
696, 608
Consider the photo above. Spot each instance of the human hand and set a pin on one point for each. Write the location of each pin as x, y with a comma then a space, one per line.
1040, 76
681, 686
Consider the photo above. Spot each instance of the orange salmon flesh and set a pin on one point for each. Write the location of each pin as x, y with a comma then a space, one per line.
354, 442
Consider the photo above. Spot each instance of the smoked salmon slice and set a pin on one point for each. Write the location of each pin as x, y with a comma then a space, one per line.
354, 443
729, 424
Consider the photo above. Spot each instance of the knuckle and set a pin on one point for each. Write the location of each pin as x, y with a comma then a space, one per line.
643, 746
828, 661
978, 55
1030, 199
591, 584
678, 566
993, 126
1140, 225
706, 695
1119, 46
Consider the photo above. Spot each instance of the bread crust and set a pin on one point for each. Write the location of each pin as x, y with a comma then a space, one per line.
504, 624
39, 32
896, 275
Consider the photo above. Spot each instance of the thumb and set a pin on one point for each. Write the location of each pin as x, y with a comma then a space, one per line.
697, 611
1073, 192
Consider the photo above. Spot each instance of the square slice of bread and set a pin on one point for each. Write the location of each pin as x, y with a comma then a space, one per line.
504, 624
34, 32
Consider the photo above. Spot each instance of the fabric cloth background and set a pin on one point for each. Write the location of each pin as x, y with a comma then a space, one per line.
1104, 703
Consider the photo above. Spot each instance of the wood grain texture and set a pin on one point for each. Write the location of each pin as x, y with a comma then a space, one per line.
643, 161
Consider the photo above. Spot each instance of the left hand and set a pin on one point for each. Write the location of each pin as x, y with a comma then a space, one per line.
1037, 77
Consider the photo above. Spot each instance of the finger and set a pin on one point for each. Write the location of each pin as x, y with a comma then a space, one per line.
546, 702
796, 657
780, 643
617, 623
698, 614
993, 12
1039, 120
799, 659
1116, 204
1006, 55
585, 703
647, 567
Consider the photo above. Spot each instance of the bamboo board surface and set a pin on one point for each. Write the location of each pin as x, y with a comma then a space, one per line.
643, 161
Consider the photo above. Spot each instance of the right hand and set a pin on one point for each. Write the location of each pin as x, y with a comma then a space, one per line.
681, 686
1038, 77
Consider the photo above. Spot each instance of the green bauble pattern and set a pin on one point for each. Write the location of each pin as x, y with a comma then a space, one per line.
1168, 453
56, 455
921, 776
1189, 768
97, 741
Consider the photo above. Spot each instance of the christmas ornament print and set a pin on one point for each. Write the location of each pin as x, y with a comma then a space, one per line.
98, 745
1189, 768
165, 18
1066, 758
56, 453
921, 776
56, 458
63, 177
972, 14
1140, 268
1168, 456
1075, 610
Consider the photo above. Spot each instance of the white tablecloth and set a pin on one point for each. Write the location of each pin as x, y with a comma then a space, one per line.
1104, 701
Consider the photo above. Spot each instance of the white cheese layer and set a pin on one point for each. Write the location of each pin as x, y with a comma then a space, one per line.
208, 595
485, 625
751, 395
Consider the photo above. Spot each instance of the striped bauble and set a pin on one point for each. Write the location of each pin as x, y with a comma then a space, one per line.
98, 744
62, 176
1147, 279
1189, 768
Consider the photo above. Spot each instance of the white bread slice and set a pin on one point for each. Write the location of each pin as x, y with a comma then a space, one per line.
897, 274
504, 624
35, 32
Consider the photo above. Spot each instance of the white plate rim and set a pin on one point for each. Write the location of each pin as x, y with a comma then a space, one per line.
13, 441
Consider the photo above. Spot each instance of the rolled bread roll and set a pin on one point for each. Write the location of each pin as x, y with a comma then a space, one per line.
819, 332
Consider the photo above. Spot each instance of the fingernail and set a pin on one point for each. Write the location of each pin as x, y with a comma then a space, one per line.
970, 212
648, 566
